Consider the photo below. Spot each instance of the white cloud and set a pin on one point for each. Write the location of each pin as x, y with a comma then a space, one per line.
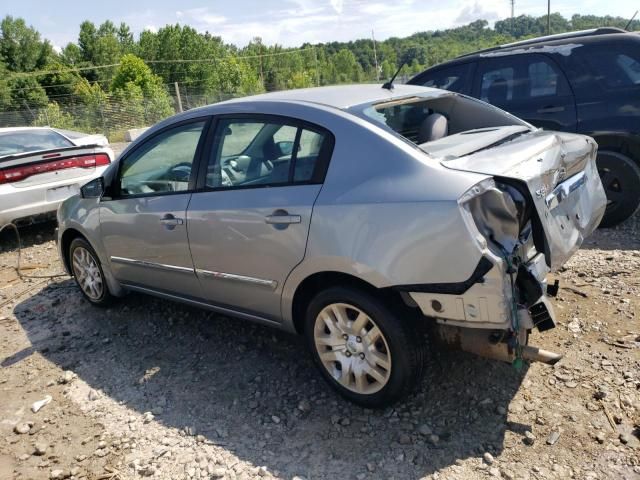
338, 5
201, 15
476, 11
150, 28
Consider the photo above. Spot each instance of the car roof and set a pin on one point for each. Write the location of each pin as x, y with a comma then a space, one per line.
342, 96
582, 37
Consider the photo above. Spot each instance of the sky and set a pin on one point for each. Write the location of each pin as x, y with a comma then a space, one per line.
289, 22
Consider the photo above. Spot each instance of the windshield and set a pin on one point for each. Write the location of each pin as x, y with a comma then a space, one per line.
24, 141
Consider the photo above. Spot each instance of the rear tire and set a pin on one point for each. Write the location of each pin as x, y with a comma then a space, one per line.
88, 273
370, 354
620, 177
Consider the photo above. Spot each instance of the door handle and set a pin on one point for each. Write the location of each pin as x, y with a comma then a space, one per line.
551, 109
170, 221
282, 219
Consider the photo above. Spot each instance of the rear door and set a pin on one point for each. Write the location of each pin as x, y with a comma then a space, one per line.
143, 226
530, 86
248, 228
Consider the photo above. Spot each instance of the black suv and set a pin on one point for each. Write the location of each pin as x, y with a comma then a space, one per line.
586, 82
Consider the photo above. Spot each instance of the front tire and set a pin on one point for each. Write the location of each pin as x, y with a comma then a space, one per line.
620, 177
87, 271
370, 354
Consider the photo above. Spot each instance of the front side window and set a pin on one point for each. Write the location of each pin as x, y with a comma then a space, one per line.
251, 152
163, 163
543, 80
497, 85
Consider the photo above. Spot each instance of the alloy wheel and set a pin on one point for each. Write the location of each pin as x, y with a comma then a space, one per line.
87, 273
612, 185
352, 348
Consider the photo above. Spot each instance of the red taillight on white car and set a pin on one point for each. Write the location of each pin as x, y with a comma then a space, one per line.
16, 174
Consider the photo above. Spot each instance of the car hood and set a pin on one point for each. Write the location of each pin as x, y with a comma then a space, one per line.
560, 173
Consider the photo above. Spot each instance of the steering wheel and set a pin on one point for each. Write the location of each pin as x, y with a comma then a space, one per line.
180, 172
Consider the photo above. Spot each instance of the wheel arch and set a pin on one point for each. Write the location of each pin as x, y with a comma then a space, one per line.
319, 281
627, 144
70, 234
66, 238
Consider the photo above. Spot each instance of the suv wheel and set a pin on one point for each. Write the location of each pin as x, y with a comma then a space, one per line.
620, 177
88, 273
364, 350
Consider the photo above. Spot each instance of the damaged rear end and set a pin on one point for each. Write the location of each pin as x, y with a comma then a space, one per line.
543, 198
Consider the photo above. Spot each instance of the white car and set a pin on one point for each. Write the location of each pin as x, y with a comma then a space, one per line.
41, 166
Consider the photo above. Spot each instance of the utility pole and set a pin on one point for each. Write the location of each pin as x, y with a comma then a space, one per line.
175, 84
315, 55
375, 55
513, 4
548, 17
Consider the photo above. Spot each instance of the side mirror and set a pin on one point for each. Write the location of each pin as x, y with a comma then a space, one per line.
284, 148
93, 189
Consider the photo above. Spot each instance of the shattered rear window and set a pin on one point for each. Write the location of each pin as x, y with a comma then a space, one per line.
402, 116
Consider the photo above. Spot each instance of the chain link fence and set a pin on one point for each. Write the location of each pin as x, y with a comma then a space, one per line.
111, 116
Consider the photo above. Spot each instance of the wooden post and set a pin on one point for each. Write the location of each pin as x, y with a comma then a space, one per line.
175, 84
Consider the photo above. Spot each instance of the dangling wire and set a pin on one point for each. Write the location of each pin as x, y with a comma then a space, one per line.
514, 341
18, 268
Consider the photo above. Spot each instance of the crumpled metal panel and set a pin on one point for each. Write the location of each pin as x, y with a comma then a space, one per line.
497, 214
560, 172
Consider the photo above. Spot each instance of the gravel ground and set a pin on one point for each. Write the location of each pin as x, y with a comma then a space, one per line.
156, 389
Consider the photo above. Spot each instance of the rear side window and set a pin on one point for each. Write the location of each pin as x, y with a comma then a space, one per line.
455, 79
612, 66
12, 143
520, 77
257, 152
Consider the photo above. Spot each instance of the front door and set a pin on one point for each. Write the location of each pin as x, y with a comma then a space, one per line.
248, 228
144, 227
529, 86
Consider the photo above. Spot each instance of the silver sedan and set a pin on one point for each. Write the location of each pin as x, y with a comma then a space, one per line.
356, 216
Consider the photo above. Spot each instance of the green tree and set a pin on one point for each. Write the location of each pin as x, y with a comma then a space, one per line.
347, 67
53, 116
134, 82
20, 46
5, 91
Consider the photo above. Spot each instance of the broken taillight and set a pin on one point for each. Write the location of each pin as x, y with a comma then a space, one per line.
16, 174
497, 211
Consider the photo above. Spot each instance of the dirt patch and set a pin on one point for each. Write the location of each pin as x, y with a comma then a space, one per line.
162, 390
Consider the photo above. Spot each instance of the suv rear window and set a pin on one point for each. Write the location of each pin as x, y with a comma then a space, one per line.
455, 78
613, 67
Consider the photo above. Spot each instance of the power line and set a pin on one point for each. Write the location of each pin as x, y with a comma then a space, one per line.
197, 60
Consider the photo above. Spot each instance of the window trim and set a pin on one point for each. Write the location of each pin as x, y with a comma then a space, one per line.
201, 148
319, 171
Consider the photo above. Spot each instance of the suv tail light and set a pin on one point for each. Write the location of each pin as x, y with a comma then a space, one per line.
16, 174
